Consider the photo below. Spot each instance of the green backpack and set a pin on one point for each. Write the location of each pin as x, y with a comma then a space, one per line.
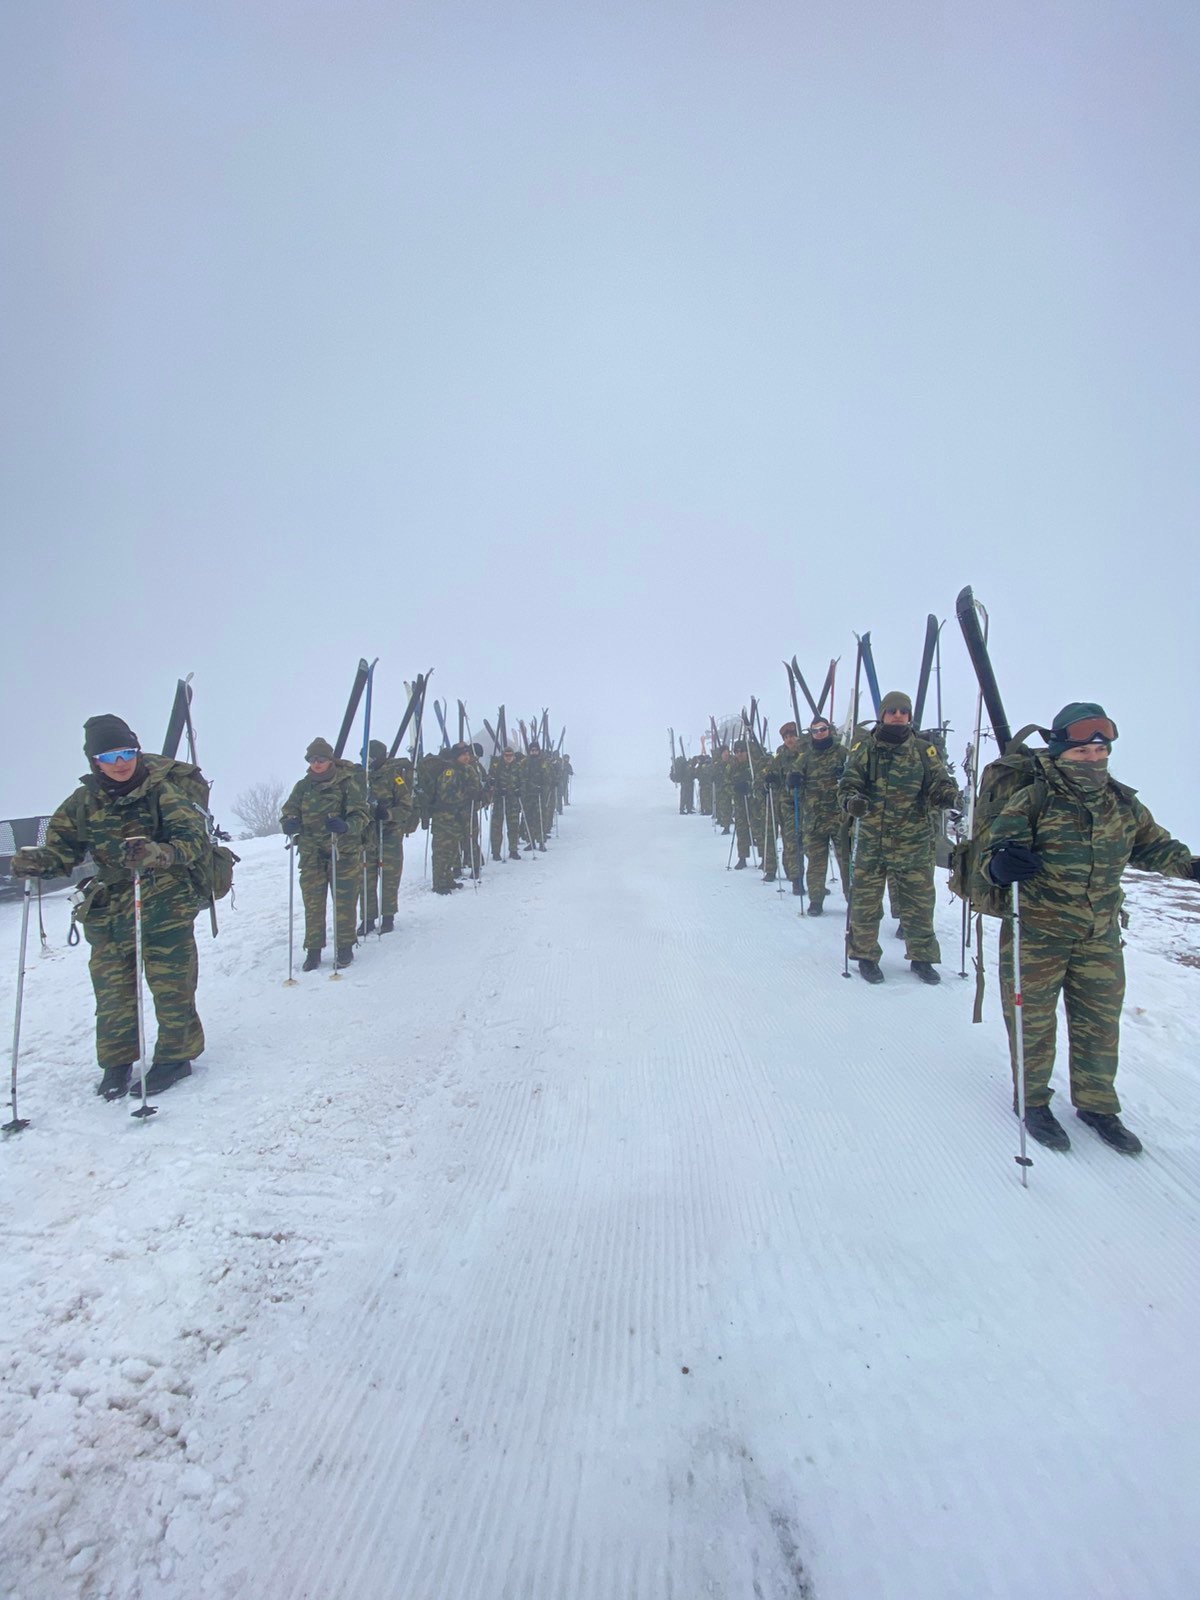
1016, 769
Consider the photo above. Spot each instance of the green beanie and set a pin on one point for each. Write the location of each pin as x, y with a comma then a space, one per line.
897, 700
376, 750
319, 750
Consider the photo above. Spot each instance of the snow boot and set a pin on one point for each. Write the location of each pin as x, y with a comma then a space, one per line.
1112, 1130
514, 855
796, 886
312, 960
740, 864
724, 830
1041, 1124
114, 1083
541, 847
164, 1073
899, 930
870, 971
447, 888
345, 955
815, 908
387, 925
496, 856
926, 971
368, 926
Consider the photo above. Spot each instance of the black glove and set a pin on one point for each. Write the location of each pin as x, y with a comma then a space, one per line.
1013, 862
795, 781
291, 825
856, 805
1196, 868
382, 812
336, 824
772, 780
741, 786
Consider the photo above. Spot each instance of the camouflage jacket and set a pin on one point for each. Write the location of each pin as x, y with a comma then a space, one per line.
94, 819
902, 783
391, 783
341, 793
783, 762
536, 777
1085, 841
453, 789
506, 780
680, 770
819, 772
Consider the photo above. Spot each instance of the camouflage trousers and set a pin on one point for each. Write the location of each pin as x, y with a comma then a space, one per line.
316, 872
388, 864
820, 831
723, 805
506, 812
742, 806
535, 820
791, 839
1090, 976
469, 853
705, 791
171, 968
446, 847
687, 800
910, 873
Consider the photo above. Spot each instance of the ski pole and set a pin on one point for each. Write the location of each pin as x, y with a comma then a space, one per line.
333, 858
19, 1123
541, 823
799, 850
290, 980
378, 886
1022, 1160
772, 821
850, 895
41, 923
732, 842
144, 1110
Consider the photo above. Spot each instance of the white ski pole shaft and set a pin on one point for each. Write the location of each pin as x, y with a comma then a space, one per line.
143, 1110
291, 977
17, 1123
333, 866
1022, 1160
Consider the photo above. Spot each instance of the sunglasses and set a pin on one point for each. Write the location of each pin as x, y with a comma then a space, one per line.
109, 757
820, 727
1089, 730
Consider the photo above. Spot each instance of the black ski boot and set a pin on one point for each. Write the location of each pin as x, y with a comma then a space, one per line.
114, 1083
541, 847
724, 830
514, 855
797, 887
815, 908
1112, 1130
312, 960
345, 955
387, 925
900, 930
870, 971
926, 971
448, 888
365, 927
164, 1073
1041, 1124
739, 864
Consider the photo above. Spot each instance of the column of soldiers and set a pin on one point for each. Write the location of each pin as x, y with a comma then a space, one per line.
143, 821
1065, 835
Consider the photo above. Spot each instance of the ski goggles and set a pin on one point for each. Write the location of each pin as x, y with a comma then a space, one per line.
1088, 730
108, 758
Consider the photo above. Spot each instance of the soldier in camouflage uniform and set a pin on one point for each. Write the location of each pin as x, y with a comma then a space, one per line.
703, 765
1066, 837
533, 795
741, 795
891, 783
452, 790
723, 789
758, 811
128, 814
328, 810
505, 777
779, 769
393, 815
682, 774
814, 776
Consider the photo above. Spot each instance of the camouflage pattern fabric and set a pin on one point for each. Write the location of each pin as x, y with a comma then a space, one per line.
823, 821
506, 803
703, 766
452, 794
901, 783
742, 804
682, 774
781, 764
723, 790
389, 783
1070, 923
533, 791
341, 792
95, 819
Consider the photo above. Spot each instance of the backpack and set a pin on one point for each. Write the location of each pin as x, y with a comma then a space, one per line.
1016, 769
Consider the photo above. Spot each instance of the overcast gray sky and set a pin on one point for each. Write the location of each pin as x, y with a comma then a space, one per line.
598, 356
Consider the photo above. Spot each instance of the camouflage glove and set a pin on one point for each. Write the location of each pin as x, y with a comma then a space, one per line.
1013, 862
337, 824
30, 862
795, 781
291, 825
144, 855
857, 806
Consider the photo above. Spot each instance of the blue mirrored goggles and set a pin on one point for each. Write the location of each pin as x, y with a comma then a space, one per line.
109, 757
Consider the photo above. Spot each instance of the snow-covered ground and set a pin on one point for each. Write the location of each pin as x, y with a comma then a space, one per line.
593, 1239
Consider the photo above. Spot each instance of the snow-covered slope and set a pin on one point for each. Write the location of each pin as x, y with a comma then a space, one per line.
593, 1238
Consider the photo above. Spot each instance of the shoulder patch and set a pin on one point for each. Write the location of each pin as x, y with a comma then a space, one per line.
930, 751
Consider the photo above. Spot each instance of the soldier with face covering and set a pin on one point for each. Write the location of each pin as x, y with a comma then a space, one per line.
328, 810
505, 775
1066, 837
393, 814
777, 780
891, 784
815, 774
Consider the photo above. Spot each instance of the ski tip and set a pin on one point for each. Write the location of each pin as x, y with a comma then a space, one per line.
965, 601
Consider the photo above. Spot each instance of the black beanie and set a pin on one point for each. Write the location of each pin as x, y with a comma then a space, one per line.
107, 733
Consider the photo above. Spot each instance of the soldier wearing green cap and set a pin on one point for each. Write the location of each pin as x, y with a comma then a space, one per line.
129, 815
393, 815
1066, 837
893, 781
327, 811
